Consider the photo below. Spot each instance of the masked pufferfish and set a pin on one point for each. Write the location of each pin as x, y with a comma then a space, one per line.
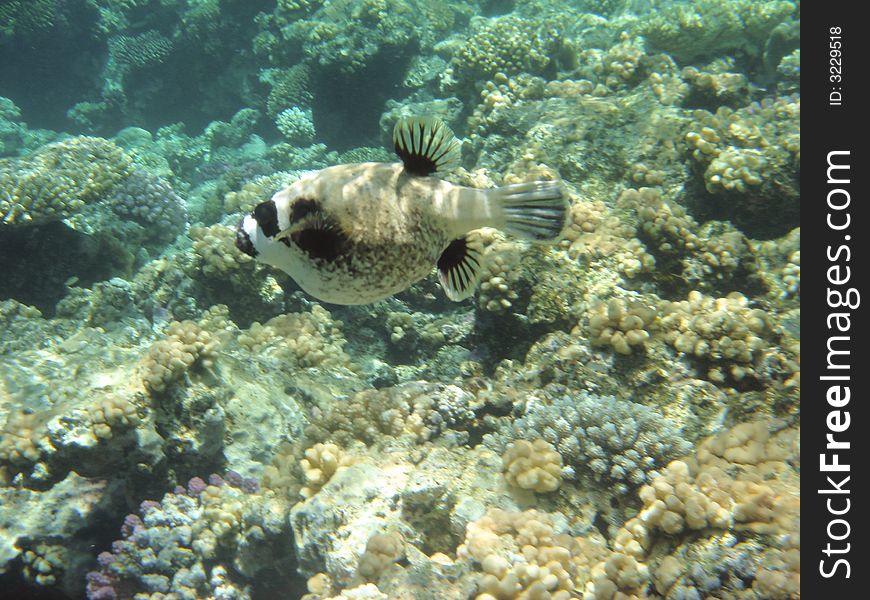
357, 233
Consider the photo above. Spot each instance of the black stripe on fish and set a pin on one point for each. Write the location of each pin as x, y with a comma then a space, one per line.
321, 239
302, 208
243, 241
266, 215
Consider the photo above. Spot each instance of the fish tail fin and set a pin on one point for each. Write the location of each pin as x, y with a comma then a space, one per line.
536, 210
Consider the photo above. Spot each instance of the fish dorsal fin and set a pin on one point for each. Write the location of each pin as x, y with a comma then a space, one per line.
459, 268
425, 145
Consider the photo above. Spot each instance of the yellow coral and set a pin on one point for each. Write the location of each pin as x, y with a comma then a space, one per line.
623, 325
112, 413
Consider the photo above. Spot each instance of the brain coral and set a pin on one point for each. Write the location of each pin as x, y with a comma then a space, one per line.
57, 180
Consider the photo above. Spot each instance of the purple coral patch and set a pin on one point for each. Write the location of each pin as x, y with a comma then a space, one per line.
195, 487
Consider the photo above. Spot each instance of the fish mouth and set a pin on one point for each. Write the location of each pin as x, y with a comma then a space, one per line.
243, 240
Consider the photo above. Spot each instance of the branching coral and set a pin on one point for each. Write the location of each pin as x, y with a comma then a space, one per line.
382, 550
111, 415
57, 180
417, 409
601, 438
751, 157
19, 437
741, 479
205, 541
713, 257
624, 326
721, 330
707, 27
319, 465
150, 201
526, 555
215, 251
295, 125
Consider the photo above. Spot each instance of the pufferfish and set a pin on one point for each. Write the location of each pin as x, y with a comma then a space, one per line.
357, 233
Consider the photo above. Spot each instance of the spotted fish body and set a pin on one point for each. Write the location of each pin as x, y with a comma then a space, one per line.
357, 233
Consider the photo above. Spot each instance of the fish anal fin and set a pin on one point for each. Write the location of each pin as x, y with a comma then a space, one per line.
459, 269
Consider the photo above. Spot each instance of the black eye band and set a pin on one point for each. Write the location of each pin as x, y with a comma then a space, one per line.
243, 241
266, 215
302, 208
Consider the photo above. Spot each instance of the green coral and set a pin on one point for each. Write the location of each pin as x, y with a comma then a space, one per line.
377, 25
349, 34
711, 27
22, 17
290, 87
131, 52
57, 180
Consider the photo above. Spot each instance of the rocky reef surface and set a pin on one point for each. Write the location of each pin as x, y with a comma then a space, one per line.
614, 416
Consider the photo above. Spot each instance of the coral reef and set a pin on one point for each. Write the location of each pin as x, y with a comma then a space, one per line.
709, 27
201, 541
614, 415
150, 201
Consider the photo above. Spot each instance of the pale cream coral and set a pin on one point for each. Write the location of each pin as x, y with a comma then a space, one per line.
281, 474
740, 479
748, 148
222, 511
19, 437
618, 577
45, 563
382, 550
319, 465
185, 345
310, 339
522, 556
215, 250
721, 329
499, 275
111, 414
624, 326
534, 465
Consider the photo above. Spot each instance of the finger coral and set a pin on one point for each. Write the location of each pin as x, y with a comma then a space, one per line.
59, 179
185, 345
533, 465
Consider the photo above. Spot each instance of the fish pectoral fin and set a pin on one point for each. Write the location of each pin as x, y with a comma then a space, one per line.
459, 268
425, 145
